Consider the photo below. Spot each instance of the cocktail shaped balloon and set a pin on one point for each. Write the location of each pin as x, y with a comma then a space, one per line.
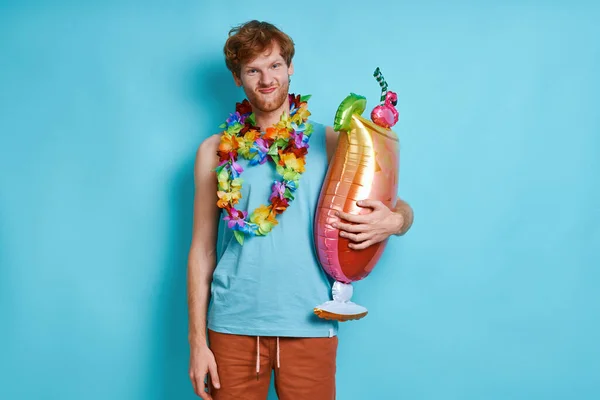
364, 166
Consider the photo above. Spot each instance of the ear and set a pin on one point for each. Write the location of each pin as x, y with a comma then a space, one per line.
237, 80
291, 69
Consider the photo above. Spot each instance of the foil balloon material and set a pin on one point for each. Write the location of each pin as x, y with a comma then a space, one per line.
365, 166
386, 114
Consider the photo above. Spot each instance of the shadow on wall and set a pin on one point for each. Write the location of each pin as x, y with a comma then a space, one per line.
213, 94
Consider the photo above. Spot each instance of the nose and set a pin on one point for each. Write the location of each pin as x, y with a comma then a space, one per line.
266, 79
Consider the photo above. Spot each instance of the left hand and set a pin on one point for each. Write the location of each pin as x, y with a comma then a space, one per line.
368, 229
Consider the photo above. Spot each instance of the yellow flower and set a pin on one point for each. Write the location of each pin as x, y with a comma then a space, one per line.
284, 123
242, 146
226, 198
236, 184
260, 214
290, 161
301, 115
251, 136
264, 217
228, 143
246, 142
223, 179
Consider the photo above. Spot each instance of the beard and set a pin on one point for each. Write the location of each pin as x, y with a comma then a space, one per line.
272, 101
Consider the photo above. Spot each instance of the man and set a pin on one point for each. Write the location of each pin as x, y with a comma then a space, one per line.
262, 293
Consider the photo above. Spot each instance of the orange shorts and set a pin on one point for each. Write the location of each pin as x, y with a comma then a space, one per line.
304, 367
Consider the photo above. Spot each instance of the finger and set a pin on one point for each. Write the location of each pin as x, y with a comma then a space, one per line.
356, 238
361, 246
358, 219
213, 374
201, 389
206, 396
350, 227
368, 203
193, 379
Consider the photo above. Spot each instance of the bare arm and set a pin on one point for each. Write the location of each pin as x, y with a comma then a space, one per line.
406, 211
201, 264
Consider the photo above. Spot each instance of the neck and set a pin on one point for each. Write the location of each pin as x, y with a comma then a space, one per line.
267, 119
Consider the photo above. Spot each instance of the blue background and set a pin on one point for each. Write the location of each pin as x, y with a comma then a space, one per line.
493, 293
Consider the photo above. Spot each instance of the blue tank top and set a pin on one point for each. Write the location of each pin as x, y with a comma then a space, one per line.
271, 284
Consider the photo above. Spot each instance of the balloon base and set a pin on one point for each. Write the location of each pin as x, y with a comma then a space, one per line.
341, 308
338, 311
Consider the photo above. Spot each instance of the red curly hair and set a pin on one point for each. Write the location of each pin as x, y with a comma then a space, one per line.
247, 41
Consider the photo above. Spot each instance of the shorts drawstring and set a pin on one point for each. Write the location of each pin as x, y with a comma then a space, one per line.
278, 364
257, 356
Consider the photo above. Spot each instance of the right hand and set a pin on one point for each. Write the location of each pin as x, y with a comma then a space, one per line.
202, 361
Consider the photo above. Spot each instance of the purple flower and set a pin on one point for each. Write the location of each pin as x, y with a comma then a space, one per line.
277, 191
300, 140
236, 219
261, 150
222, 165
235, 169
233, 118
261, 144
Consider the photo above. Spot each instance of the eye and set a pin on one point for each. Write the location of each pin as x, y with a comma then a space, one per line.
252, 71
277, 65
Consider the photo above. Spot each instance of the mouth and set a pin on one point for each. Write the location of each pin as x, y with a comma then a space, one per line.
267, 90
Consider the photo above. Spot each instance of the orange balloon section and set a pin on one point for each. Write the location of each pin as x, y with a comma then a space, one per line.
364, 166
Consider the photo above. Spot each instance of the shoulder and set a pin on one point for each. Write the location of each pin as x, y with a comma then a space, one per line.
210, 144
206, 155
330, 132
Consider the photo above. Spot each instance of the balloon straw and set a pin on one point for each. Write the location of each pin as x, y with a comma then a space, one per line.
382, 83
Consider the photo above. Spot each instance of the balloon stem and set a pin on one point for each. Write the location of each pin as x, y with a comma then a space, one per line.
342, 292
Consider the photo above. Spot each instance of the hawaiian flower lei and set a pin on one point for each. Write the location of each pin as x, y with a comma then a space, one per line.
285, 144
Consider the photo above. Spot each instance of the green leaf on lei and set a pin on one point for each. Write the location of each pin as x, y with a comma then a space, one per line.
235, 128
288, 194
264, 228
308, 130
273, 150
252, 119
291, 175
305, 97
239, 236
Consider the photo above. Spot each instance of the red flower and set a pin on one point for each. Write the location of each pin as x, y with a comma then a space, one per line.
244, 107
244, 129
298, 152
222, 156
295, 101
279, 205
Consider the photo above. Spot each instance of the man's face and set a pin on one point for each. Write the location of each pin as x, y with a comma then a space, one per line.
266, 79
